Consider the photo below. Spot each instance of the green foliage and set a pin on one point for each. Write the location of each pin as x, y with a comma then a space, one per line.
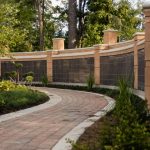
19, 99
14, 75
10, 75
8, 86
18, 66
29, 79
14, 97
90, 82
126, 20
128, 133
44, 80
28, 74
10, 35
105, 14
97, 20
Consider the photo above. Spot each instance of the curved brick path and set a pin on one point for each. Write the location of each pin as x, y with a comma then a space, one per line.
41, 130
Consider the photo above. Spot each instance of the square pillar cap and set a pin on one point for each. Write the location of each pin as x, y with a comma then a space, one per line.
146, 4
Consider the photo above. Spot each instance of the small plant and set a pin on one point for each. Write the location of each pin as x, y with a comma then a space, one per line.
7, 86
28, 74
14, 75
29, 79
90, 82
18, 66
44, 80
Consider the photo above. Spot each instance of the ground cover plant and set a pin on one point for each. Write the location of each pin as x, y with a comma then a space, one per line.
15, 97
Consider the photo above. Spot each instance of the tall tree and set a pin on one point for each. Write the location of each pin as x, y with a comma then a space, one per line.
104, 14
40, 11
97, 20
81, 19
10, 35
72, 24
126, 19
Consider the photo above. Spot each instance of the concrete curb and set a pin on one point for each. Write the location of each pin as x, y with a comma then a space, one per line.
76, 132
54, 99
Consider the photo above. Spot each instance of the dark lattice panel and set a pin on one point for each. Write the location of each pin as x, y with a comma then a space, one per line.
115, 67
72, 70
38, 67
141, 70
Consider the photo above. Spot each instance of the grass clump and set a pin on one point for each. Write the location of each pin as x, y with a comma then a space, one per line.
90, 82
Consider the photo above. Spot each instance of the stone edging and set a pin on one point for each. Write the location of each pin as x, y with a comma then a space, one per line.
76, 132
54, 99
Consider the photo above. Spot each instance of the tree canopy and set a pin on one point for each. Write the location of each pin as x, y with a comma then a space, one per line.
28, 25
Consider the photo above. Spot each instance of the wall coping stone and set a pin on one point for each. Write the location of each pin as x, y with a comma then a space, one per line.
24, 57
73, 54
117, 49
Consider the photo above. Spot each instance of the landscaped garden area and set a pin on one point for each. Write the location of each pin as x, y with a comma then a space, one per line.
127, 127
14, 97
77, 46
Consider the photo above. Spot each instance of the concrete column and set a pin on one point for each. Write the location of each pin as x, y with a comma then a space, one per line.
137, 37
49, 66
97, 62
58, 44
146, 8
110, 36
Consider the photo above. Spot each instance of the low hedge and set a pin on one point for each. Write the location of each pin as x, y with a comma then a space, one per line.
20, 98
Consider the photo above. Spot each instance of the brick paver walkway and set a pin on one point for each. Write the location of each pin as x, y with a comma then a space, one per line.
41, 130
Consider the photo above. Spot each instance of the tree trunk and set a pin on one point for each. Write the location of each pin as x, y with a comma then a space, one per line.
72, 24
40, 10
82, 4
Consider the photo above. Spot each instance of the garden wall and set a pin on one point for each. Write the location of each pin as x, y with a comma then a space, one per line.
106, 62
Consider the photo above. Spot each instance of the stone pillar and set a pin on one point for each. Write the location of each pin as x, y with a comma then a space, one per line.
58, 44
137, 37
97, 62
49, 66
110, 36
146, 8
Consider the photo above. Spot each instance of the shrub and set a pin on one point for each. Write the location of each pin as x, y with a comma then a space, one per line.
44, 80
7, 85
90, 82
129, 133
29, 79
28, 74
